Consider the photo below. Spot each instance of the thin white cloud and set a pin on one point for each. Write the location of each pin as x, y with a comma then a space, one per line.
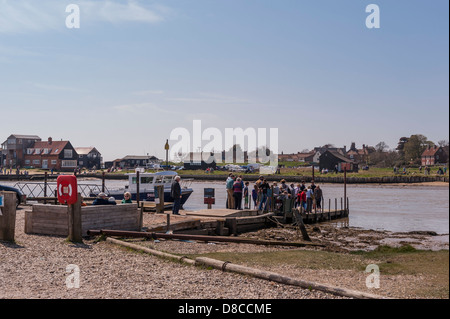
142, 108
51, 87
210, 98
149, 92
27, 16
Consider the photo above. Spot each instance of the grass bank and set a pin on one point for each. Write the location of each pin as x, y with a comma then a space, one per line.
404, 272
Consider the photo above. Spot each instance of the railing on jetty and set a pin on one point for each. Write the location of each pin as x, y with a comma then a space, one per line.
284, 209
47, 190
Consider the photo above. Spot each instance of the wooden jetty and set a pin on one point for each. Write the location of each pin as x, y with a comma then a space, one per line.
227, 222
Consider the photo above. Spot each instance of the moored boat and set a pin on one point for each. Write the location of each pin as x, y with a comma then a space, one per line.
147, 186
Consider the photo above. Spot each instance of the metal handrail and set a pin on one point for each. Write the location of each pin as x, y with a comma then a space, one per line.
40, 189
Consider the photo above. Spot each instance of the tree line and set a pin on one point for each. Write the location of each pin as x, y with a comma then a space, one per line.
408, 151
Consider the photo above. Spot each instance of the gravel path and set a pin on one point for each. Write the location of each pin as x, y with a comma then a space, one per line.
35, 267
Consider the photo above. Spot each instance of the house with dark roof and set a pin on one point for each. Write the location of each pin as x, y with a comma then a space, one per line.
89, 157
57, 155
434, 155
335, 161
14, 149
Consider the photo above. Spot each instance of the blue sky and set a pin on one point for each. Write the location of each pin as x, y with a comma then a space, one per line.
136, 70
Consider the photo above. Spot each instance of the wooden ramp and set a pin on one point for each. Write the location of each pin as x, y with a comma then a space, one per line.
222, 213
222, 222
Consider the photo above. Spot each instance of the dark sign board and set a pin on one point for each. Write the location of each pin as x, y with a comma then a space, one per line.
209, 192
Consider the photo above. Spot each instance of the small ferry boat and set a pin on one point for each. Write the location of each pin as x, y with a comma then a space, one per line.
147, 186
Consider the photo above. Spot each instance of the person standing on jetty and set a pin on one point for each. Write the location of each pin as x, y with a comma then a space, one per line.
229, 187
246, 196
284, 187
255, 195
301, 198
318, 196
309, 199
264, 186
237, 194
175, 192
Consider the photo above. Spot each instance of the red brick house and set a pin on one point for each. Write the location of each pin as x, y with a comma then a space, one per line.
57, 155
299, 157
14, 149
434, 155
360, 156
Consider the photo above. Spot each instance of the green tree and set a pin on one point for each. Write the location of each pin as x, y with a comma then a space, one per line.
414, 148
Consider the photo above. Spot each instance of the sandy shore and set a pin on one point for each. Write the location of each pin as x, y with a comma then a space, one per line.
35, 267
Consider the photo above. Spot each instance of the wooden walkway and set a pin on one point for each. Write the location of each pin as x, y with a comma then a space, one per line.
225, 222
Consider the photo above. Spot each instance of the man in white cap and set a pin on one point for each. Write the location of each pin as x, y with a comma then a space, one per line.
102, 199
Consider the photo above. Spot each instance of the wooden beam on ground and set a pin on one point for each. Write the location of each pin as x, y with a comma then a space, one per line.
240, 240
267, 275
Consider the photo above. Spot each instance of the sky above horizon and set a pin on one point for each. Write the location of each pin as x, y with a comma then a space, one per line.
136, 70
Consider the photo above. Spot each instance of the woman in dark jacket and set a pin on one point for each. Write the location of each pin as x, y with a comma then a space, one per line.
318, 197
237, 194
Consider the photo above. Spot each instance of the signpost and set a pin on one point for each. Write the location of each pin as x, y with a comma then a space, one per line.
67, 189
166, 147
209, 194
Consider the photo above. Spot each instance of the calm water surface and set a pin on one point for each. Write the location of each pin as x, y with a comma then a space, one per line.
392, 208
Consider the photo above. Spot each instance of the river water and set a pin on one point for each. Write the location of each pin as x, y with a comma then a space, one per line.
392, 208
397, 208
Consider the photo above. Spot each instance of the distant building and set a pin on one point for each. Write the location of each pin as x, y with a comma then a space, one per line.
14, 149
195, 161
318, 151
332, 160
133, 161
299, 157
89, 157
2, 157
360, 156
57, 155
434, 155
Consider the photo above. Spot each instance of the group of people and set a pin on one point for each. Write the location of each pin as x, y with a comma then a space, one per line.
306, 197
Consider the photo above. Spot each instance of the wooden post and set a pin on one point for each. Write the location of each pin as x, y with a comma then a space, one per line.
141, 216
45, 187
168, 222
348, 209
341, 203
137, 188
75, 233
8, 216
231, 223
301, 225
345, 188
329, 209
103, 182
160, 205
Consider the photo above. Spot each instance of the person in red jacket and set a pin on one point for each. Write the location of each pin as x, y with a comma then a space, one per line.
301, 198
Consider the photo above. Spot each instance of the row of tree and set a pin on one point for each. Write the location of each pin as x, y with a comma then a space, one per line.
408, 152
